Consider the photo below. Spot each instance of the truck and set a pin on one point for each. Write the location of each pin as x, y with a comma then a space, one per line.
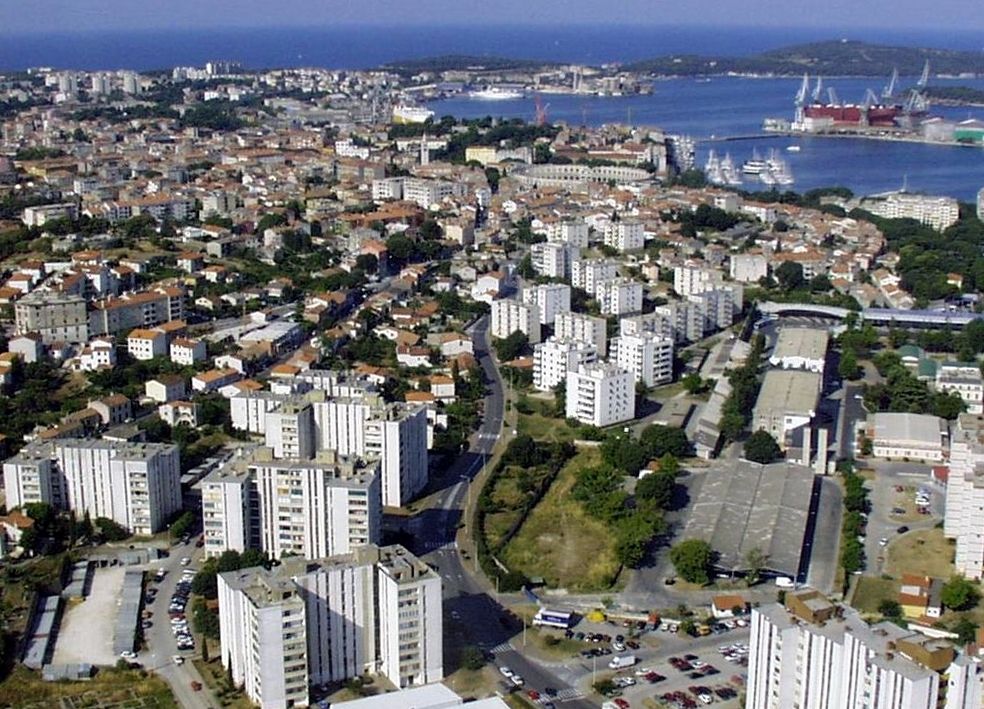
620, 662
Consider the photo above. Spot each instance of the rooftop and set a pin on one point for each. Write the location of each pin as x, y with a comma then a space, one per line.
787, 390
743, 506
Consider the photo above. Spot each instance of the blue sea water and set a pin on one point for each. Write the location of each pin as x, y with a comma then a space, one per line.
732, 106
721, 107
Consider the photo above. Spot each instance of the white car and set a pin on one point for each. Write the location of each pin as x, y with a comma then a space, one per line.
643, 671
883, 542
505, 671
516, 680
185, 561
128, 655
177, 659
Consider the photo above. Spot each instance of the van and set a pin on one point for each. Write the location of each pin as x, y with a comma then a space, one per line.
784, 582
619, 662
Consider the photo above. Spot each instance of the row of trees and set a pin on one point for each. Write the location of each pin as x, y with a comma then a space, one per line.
737, 409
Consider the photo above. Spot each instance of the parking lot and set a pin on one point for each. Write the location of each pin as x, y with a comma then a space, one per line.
667, 664
86, 633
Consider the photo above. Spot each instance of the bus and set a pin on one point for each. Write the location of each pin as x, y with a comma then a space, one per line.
553, 619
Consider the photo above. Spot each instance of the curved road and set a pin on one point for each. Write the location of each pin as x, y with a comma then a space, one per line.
435, 529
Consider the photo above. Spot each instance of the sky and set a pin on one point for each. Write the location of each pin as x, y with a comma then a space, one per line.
35, 16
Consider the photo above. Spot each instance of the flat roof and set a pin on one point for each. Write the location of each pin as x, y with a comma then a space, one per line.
743, 506
429, 696
788, 390
910, 428
802, 342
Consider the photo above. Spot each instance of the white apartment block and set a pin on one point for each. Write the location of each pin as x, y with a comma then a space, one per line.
600, 394
620, 297
414, 189
583, 328
508, 316
625, 235
553, 359
719, 306
656, 323
980, 204
748, 268
686, 318
965, 380
574, 234
589, 275
358, 425
302, 623
937, 212
229, 511
289, 431
649, 357
550, 299
963, 518
187, 352
315, 508
693, 280
146, 344
137, 485
813, 654
553, 260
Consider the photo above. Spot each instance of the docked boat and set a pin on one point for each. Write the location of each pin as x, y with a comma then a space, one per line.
728, 171
495, 93
712, 169
404, 113
755, 166
792, 148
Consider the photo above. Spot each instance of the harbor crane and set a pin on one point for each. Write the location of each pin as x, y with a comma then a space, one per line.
541, 110
889, 90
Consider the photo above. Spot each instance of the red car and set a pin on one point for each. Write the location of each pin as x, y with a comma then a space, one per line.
533, 695
621, 703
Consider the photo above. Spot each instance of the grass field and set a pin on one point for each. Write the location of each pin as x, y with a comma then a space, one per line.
218, 681
110, 689
541, 422
872, 590
560, 542
925, 552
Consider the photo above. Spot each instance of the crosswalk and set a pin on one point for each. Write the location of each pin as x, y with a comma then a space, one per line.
436, 546
569, 695
500, 648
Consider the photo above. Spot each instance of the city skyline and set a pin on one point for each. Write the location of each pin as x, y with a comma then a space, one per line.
68, 16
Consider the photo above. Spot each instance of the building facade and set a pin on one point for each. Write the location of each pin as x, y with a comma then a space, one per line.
649, 357
600, 395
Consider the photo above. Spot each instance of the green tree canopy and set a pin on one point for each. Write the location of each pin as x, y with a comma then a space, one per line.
761, 447
790, 275
692, 560
960, 593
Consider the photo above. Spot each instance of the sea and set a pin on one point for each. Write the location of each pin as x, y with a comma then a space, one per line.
708, 110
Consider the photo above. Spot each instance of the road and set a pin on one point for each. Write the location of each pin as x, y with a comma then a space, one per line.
160, 641
435, 529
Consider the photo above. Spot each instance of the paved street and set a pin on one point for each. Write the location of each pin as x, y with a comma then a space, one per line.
160, 641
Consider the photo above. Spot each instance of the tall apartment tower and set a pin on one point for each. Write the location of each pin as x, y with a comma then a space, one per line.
315, 621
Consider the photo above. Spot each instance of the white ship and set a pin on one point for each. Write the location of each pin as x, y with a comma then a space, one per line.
779, 169
755, 166
728, 171
495, 93
404, 113
712, 169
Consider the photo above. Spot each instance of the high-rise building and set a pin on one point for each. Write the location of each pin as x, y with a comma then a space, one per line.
550, 299
589, 275
552, 259
312, 622
289, 431
583, 328
600, 394
980, 204
620, 296
509, 316
137, 485
814, 654
625, 235
553, 359
693, 280
572, 233
56, 317
230, 513
315, 508
962, 520
649, 357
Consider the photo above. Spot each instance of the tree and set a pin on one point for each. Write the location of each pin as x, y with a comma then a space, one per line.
657, 488
761, 447
660, 440
692, 560
511, 347
966, 630
204, 649
890, 608
472, 658
959, 593
111, 531
693, 384
790, 275
756, 560
399, 247
848, 366
624, 453
367, 262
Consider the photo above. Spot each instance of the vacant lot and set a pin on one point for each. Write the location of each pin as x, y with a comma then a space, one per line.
86, 633
540, 422
871, 591
560, 542
925, 552
110, 689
